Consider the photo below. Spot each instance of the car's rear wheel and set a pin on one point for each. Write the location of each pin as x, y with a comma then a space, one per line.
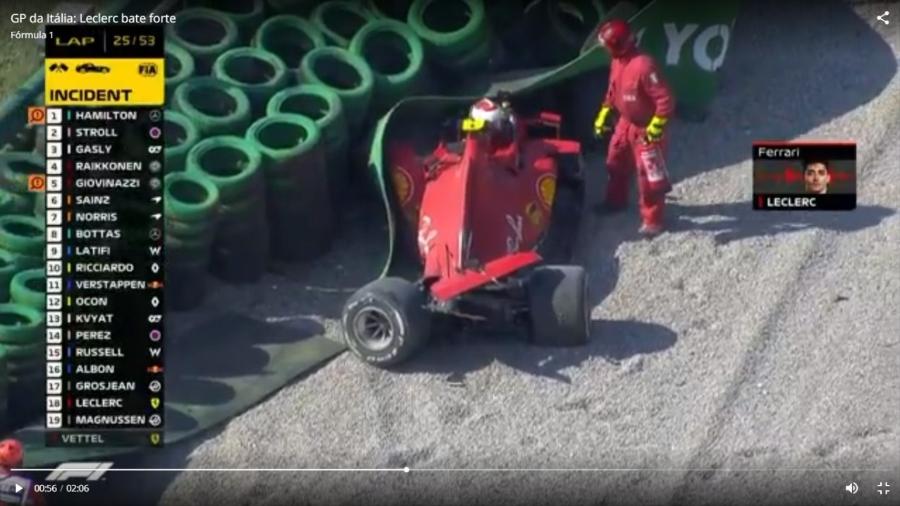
558, 305
386, 321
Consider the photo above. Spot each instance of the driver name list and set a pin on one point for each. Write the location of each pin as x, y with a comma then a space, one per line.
105, 229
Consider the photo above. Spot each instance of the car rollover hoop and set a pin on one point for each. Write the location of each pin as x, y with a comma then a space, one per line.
386, 321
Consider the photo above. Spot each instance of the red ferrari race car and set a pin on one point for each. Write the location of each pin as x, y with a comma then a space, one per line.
488, 208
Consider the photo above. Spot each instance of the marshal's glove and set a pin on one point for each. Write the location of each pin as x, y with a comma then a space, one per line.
600, 127
655, 128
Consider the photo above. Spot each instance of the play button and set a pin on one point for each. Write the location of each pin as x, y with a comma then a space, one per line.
19, 488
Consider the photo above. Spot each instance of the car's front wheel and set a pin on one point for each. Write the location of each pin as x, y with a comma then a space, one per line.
558, 305
386, 321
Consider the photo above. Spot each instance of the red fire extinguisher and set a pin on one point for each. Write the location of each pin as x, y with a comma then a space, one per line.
653, 165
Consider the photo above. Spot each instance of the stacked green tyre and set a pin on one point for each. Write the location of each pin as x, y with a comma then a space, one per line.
246, 14
322, 105
259, 73
390, 9
29, 288
181, 134
340, 20
345, 73
289, 38
293, 7
8, 268
455, 38
567, 25
192, 207
4, 392
179, 67
205, 34
301, 222
396, 57
15, 168
215, 107
22, 343
240, 247
23, 237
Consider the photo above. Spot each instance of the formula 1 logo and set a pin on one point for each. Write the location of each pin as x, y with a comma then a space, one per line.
90, 471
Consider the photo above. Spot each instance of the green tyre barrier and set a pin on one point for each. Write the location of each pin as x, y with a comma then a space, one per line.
22, 234
205, 34
323, 105
40, 206
181, 134
259, 73
188, 249
571, 22
396, 57
190, 197
301, 220
23, 353
28, 261
16, 166
13, 203
216, 107
448, 31
340, 20
347, 75
179, 67
185, 283
240, 252
292, 7
246, 14
29, 288
477, 58
397, 10
21, 325
289, 38
232, 164
8, 269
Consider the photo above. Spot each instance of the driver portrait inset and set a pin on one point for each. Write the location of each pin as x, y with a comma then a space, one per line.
816, 176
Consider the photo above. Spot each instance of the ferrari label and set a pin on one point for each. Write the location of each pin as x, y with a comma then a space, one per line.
534, 213
104, 81
546, 189
155, 439
154, 402
403, 184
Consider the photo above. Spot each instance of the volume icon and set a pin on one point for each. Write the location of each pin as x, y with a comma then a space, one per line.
852, 487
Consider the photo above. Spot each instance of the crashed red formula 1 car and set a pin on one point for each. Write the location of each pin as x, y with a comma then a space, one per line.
489, 209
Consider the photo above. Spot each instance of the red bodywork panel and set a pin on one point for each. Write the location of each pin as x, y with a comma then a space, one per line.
479, 210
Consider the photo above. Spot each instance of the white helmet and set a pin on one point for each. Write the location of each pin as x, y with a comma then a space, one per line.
494, 114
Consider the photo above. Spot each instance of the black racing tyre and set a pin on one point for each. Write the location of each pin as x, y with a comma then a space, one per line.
390, 9
340, 20
190, 197
289, 38
179, 67
558, 305
29, 288
448, 31
20, 325
22, 234
205, 34
396, 57
259, 73
8, 269
386, 321
216, 107
16, 166
345, 73
232, 163
246, 14
181, 134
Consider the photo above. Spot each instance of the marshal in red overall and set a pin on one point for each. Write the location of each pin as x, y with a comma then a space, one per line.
484, 209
